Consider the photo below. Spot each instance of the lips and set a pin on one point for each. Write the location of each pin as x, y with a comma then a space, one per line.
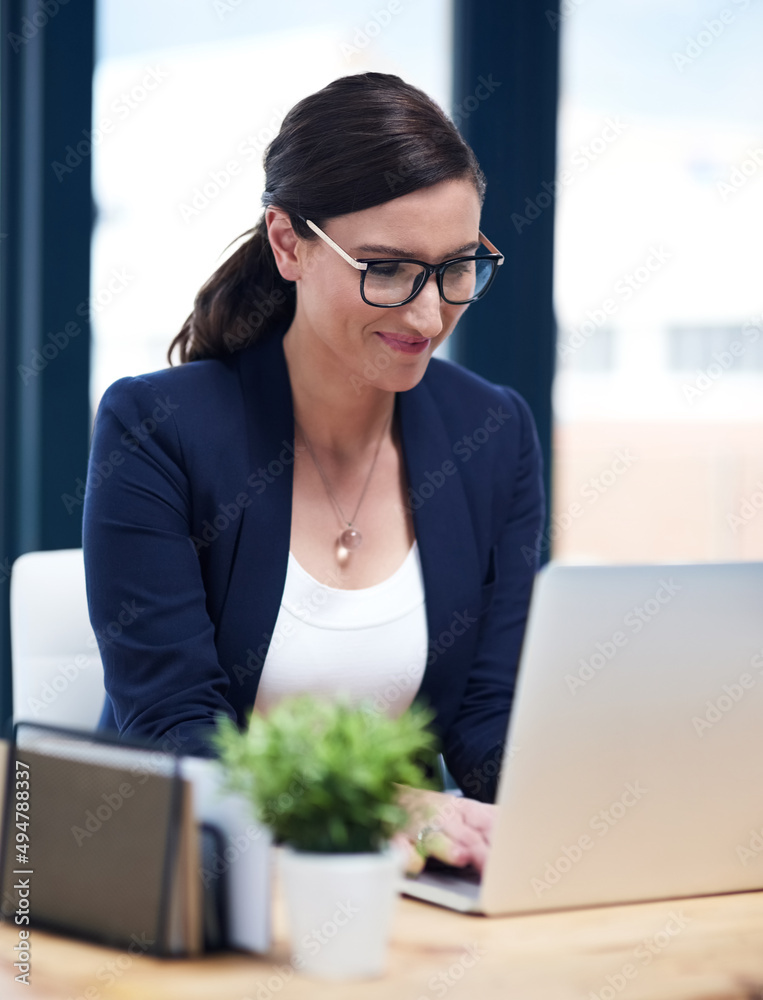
403, 343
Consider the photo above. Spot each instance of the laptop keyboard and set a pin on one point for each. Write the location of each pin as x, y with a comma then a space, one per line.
465, 873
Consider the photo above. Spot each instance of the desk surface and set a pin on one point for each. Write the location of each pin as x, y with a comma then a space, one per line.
708, 948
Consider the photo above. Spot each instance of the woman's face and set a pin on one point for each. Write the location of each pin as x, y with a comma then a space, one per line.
366, 343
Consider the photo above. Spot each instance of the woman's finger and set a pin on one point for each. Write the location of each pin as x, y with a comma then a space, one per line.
479, 815
413, 861
470, 845
443, 847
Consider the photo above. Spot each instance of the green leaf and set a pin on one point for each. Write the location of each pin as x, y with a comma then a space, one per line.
323, 774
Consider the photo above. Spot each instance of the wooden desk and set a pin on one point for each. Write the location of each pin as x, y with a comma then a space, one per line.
708, 948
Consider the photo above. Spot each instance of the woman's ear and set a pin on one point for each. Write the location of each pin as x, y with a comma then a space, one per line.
284, 242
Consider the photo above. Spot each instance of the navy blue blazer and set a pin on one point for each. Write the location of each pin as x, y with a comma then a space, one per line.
186, 532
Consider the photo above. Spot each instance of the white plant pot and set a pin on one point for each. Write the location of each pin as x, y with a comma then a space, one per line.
339, 909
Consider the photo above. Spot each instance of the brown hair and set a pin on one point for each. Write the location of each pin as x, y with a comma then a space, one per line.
361, 141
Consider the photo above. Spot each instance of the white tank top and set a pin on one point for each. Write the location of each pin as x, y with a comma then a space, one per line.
366, 643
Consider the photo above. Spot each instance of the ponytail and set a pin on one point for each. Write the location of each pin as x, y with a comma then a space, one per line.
239, 304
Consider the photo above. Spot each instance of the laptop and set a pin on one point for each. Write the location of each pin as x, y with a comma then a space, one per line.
633, 762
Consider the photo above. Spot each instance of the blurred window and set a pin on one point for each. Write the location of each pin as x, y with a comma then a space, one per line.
727, 347
586, 349
659, 409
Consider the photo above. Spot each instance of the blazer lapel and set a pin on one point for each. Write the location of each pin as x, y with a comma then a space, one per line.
447, 547
261, 556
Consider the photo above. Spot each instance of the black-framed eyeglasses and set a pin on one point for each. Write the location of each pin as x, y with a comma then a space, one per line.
392, 281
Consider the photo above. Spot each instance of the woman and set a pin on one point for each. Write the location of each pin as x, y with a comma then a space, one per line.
309, 501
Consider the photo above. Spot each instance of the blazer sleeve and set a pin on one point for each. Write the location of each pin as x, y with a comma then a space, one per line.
474, 743
146, 596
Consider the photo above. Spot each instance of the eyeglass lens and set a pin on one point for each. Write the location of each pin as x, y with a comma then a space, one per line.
389, 283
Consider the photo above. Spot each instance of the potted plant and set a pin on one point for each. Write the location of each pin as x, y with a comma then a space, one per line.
324, 776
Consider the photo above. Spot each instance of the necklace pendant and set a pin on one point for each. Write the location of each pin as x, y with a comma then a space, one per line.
350, 539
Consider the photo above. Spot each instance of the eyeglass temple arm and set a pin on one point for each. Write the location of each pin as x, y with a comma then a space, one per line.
363, 267
491, 248
335, 246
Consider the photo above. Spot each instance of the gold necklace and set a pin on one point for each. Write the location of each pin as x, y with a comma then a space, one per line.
350, 538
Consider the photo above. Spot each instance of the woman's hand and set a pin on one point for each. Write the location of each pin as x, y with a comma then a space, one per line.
453, 829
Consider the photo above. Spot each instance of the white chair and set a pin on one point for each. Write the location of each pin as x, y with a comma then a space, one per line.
56, 665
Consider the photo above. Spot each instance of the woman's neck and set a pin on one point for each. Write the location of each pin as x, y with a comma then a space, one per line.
340, 412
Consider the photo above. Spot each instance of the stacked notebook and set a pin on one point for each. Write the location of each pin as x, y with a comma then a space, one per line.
114, 843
